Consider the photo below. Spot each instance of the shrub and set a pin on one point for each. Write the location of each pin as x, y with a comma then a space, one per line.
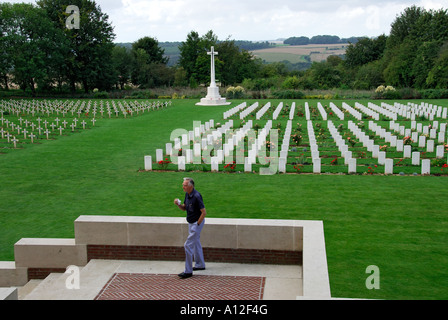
288, 94
235, 92
388, 92
434, 94
291, 83
100, 94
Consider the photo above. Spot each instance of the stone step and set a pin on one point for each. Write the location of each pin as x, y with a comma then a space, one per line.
282, 282
8, 293
28, 288
93, 277
45, 289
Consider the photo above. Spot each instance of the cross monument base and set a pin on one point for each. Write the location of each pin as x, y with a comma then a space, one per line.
213, 98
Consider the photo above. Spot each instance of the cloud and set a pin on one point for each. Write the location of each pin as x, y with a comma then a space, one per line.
172, 20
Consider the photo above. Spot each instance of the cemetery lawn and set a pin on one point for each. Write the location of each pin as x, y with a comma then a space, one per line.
398, 223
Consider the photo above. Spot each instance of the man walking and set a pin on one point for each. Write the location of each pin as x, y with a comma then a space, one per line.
194, 205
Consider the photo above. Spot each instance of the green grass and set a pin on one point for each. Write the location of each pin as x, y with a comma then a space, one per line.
397, 223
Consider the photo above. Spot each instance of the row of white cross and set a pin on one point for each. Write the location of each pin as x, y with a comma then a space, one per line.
8, 129
45, 107
40, 127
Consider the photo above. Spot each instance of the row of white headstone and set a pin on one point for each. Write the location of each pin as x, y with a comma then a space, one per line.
372, 110
394, 142
222, 141
260, 113
222, 155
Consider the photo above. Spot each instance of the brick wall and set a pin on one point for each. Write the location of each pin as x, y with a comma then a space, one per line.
178, 254
42, 273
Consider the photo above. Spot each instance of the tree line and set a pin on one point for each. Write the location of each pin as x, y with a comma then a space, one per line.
319, 39
39, 53
414, 57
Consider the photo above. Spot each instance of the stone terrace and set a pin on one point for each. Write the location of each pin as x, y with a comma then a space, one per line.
284, 254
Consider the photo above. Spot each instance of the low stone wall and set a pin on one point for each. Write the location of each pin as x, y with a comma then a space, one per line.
162, 238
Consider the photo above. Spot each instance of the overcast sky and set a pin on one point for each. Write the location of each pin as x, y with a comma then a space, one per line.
172, 20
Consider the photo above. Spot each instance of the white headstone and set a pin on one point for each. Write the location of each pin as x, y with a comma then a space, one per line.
421, 141
148, 163
432, 133
440, 150
407, 151
282, 165
381, 158
169, 149
393, 141
316, 165
352, 165
189, 156
426, 169
215, 164
415, 158
375, 151
347, 157
247, 165
159, 155
430, 146
441, 137
399, 145
389, 166
181, 163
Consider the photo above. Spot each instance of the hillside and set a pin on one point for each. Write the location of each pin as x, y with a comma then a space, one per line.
301, 56
297, 57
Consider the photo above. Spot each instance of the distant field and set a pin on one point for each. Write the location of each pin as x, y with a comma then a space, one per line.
295, 54
271, 57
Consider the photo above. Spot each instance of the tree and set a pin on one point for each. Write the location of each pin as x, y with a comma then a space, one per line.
189, 53
180, 77
30, 45
438, 75
399, 71
369, 76
194, 59
425, 58
155, 54
322, 75
413, 47
149, 67
235, 64
291, 83
297, 41
89, 56
122, 62
405, 26
364, 51
325, 39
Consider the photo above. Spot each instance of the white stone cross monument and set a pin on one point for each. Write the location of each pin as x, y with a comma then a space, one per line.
213, 97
